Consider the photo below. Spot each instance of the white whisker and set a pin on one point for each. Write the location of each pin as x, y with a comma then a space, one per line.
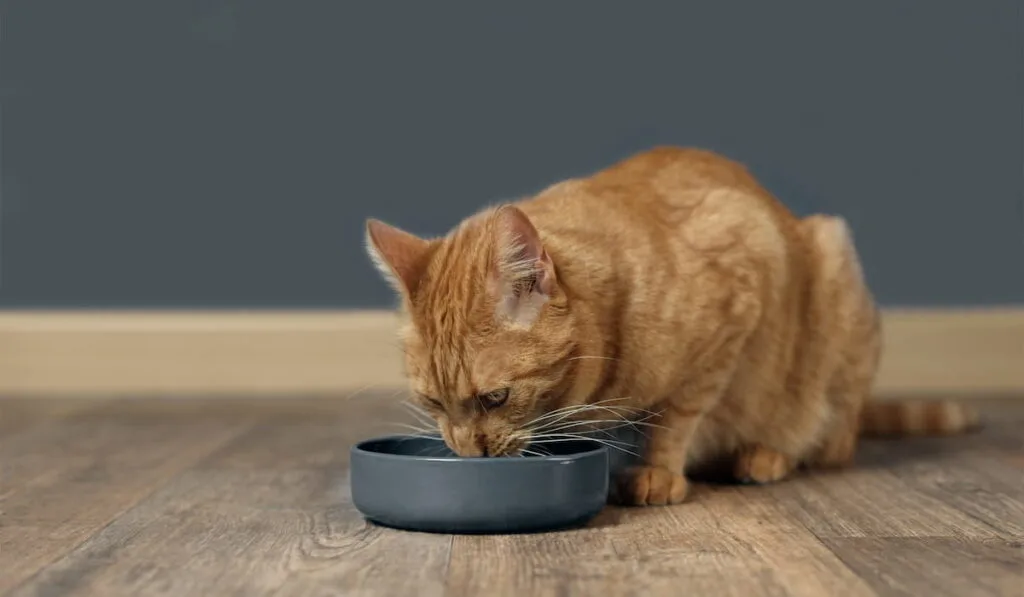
419, 414
573, 425
612, 410
573, 407
414, 428
570, 417
592, 357
358, 392
411, 436
553, 437
568, 411
604, 427
609, 443
615, 424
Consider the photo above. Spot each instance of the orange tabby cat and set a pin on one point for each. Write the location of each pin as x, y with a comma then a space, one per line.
671, 283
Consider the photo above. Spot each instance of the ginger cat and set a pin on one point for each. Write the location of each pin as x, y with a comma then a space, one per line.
670, 283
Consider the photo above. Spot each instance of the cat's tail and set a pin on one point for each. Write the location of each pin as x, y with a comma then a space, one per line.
917, 417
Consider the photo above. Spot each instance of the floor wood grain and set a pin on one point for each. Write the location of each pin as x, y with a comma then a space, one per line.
61, 483
250, 497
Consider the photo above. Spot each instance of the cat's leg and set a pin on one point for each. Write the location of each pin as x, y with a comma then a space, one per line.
840, 442
660, 481
759, 464
843, 300
711, 358
849, 392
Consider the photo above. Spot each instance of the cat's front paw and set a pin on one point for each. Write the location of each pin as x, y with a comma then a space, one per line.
649, 486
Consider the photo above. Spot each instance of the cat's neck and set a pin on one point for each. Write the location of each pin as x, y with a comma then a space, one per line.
595, 358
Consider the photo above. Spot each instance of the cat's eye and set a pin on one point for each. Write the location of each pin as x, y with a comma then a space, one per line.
494, 399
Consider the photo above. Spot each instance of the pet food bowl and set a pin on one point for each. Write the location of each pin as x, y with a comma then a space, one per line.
417, 483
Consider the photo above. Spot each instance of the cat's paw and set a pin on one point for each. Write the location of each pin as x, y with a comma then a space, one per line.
649, 486
838, 451
762, 465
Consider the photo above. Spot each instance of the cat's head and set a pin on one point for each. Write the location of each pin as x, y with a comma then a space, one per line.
489, 331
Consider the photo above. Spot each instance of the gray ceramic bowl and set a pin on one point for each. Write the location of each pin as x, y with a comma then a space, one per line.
417, 483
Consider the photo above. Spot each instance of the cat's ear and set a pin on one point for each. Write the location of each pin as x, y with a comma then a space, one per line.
399, 255
524, 274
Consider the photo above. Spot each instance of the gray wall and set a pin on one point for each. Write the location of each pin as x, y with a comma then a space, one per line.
224, 153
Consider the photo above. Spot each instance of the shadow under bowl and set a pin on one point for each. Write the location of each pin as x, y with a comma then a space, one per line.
417, 483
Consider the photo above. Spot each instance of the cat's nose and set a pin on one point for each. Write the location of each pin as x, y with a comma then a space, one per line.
465, 444
481, 443
468, 443
469, 451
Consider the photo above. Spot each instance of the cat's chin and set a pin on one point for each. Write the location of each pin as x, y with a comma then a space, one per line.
508, 449
513, 449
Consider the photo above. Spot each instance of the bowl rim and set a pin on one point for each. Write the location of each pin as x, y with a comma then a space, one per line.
359, 447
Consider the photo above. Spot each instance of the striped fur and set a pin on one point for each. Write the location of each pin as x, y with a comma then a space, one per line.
917, 418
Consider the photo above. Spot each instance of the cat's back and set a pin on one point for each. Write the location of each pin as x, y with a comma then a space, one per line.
671, 243
667, 199
659, 187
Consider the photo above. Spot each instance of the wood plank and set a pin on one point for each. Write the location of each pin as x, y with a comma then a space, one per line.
982, 483
913, 567
800, 561
724, 541
576, 562
866, 502
18, 415
63, 482
976, 474
270, 513
267, 511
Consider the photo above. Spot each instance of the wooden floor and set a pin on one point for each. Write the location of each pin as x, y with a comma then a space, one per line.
226, 497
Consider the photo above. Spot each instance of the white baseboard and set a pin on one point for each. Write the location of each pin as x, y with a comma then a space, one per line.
971, 352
